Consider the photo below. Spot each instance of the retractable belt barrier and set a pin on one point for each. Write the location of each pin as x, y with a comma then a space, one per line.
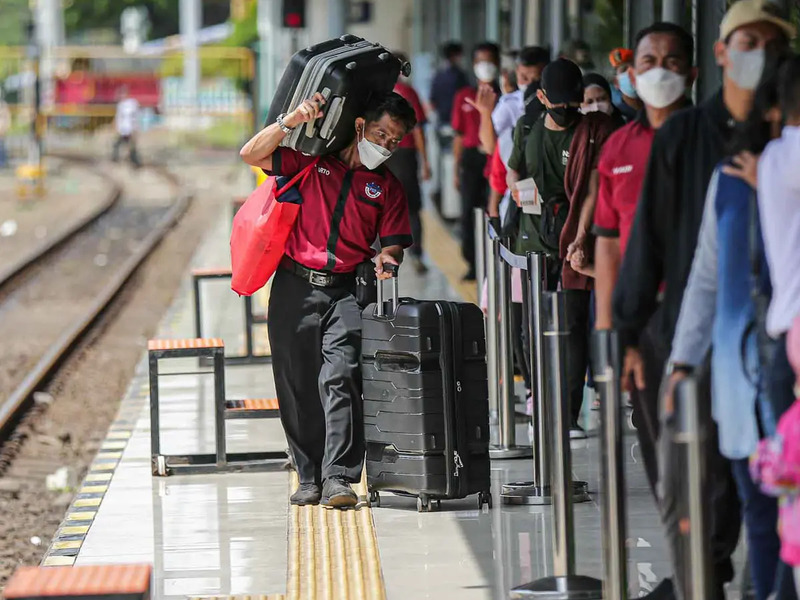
499, 262
498, 343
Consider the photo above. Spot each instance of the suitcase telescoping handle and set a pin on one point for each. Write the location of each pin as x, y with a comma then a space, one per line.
393, 270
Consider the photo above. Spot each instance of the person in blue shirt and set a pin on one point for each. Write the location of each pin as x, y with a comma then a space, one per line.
720, 313
446, 83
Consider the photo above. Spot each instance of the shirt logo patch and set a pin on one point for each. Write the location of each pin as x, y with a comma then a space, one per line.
564, 156
323, 171
373, 190
623, 170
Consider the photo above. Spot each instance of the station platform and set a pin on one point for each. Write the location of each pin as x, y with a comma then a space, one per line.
235, 534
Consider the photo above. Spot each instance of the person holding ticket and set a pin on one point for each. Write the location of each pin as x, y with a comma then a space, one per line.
549, 173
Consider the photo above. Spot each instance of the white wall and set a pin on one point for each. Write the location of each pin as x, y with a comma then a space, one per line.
390, 25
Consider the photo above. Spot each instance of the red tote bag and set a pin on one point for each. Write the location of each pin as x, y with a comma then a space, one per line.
261, 228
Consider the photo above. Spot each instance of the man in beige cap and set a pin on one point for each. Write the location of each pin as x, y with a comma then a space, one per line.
685, 151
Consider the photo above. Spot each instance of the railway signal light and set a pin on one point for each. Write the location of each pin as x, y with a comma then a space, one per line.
293, 14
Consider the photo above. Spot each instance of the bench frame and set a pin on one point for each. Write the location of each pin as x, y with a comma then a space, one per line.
250, 320
221, 461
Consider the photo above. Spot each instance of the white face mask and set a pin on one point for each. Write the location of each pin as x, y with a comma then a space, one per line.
745, 67
660, 87
485, 71
522, 87
371, 154
603, 107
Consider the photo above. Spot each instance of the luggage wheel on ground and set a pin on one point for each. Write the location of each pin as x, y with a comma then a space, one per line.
484, 498
423, 504
375, 499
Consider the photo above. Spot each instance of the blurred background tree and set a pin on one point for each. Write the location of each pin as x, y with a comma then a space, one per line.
15, 17
81, 16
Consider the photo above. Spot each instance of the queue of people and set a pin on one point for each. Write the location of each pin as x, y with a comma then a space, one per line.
662, 222
674, 224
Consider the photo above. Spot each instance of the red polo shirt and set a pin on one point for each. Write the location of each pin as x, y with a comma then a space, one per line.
344, 210
466, 120
621, 169
410, 94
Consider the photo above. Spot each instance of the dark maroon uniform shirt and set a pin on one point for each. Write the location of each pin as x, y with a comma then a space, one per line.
344, 210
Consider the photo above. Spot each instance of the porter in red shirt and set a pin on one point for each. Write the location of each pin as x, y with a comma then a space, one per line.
466, 120
343, 212
621, 169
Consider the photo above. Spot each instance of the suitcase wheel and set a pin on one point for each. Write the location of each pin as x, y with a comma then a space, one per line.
484, 498
423, 504
375, 499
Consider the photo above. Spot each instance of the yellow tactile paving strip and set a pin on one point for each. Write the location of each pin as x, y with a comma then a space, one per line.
445, 252
72, 532
247, 597
333, 554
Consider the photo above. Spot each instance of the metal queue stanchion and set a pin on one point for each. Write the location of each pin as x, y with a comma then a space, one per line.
481, 222
537, 491
492, 249
606, 355
565, 584
499, 309
687, 433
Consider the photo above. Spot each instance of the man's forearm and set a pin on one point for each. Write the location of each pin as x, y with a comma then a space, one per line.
258, 151
419, 144
396, 252
587, 210
457, 150
606, 265
512, 177
486, 134
493, 206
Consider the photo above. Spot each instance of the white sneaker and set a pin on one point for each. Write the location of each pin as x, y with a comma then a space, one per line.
576, 432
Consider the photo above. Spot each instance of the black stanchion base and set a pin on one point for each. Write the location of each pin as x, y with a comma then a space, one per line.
510, 452
571, 587
528, 493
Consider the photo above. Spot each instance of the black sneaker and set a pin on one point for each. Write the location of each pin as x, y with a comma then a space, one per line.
663, 591
306, 493
337, 493
469, 276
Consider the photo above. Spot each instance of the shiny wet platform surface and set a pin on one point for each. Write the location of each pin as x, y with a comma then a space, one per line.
234, 534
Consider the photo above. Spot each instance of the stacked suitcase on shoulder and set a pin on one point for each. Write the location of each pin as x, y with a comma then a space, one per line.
426, 411
347, 71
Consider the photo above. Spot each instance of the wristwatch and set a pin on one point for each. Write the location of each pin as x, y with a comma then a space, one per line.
673, 367
283, 125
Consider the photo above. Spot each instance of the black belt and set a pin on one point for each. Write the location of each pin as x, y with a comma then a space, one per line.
317, 278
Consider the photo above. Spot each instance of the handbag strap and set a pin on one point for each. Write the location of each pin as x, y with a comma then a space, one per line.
301, 175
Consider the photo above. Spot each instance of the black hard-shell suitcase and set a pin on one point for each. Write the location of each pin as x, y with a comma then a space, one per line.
426, 409
346, 71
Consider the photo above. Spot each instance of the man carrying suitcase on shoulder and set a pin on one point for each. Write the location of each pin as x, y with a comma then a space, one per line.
349, 199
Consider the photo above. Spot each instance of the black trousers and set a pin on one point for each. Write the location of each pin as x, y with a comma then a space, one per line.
315, 335
646, 402
518, 338
577, 305
404, 165
133, 155
665, 465
474, 192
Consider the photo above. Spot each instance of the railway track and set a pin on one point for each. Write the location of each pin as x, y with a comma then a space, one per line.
55, 298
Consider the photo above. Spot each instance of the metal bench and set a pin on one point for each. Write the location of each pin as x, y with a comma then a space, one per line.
128, 582
220, 461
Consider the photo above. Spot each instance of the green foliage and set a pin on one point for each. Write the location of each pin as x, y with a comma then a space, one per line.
16, 16
245, 31
82, 15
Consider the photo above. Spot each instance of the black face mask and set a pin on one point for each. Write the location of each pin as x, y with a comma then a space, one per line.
564, 116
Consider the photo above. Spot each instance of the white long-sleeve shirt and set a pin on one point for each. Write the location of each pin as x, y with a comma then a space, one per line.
779, 209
